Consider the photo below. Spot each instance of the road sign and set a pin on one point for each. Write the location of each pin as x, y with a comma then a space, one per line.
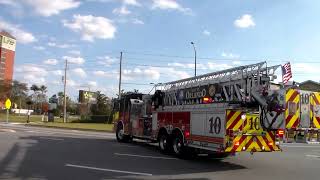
8, 104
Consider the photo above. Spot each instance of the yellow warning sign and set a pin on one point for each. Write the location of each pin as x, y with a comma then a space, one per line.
8, 104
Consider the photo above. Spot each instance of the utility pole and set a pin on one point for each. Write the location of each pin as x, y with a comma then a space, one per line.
64, 93
195, 59
120, 70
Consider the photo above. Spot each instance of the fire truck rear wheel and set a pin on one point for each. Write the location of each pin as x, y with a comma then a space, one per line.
178, 146
164, 143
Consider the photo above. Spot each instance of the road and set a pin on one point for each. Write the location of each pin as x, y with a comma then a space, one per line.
46, 153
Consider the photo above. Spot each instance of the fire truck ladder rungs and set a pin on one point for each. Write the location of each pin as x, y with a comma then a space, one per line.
233, 74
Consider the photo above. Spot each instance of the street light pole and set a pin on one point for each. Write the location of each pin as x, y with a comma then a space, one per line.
195, 59
64, 93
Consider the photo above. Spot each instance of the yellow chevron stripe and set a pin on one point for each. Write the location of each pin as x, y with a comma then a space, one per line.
275, 147
229, 149
289, 94
292, 121
297, 114
243, 143
233, 118
253, 145
315, 122
238, 125
264, 143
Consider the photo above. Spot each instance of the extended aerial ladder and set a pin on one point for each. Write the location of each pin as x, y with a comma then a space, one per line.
246, 85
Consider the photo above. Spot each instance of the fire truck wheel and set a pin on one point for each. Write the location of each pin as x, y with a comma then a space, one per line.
178, 146
164, 143
120, 134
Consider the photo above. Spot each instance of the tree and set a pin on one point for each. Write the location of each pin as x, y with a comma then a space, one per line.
34, 88
102, 106
19, 93
42, 96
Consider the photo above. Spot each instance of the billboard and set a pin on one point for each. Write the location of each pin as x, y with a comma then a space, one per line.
87, 97
8, 43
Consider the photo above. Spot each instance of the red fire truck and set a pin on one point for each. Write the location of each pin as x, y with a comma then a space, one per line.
223, 112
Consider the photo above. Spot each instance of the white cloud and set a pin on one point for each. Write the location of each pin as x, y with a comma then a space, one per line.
51, 7
217, 67
106, 60
31, 73
8, 2
92, 83
229, 55
72, 83
99, 73
187, 65
131, 2
21, 35
122, 11
245, 21
206, 32
50, 62
304, 67
62, 46
169, 5
91, 27
105, 74
137, 73
137, 21
40, 48
79, 72
74, 52
236, 62
74, 60
57, 73
202, 66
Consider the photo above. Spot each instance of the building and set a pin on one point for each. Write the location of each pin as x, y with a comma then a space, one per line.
7, 53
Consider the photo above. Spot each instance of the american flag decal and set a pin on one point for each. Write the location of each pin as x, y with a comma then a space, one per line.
286, 73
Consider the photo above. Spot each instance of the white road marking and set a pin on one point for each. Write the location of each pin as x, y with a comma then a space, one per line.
55, 139
313, 156
152, 157
294, 146
108, 170
8, 130
122, 145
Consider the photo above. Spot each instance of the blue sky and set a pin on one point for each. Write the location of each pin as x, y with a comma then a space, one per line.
155, 37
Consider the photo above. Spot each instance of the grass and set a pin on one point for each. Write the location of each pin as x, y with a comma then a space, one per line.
58, 123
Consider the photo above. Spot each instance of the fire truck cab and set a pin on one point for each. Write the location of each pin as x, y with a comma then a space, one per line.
222, 113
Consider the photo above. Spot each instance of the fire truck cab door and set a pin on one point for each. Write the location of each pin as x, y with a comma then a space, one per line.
136, 120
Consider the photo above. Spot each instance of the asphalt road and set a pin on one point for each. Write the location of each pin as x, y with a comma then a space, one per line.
46, 153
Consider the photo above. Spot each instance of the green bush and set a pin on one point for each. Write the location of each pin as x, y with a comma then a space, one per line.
92, 119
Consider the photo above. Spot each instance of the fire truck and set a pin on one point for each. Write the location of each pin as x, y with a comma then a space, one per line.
302, 115
219, 113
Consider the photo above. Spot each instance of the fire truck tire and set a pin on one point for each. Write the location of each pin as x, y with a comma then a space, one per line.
121, 137
164, 143
178, 146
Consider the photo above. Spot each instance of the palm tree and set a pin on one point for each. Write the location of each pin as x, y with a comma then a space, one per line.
43, 90
35, 90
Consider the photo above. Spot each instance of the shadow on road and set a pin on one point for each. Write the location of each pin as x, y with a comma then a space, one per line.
45, 157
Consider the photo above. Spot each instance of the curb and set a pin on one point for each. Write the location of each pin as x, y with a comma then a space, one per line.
78, 129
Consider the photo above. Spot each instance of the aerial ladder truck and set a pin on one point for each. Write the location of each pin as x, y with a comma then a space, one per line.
219, 113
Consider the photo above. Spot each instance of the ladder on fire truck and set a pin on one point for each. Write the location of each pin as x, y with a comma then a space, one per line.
244, 84
237, 83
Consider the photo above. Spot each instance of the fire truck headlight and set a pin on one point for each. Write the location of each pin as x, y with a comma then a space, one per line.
243, 117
